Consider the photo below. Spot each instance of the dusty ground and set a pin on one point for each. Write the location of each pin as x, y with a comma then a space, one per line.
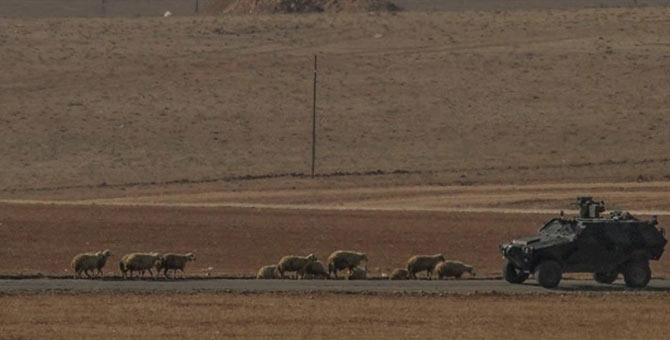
238, 241
236, 233
462, 97
206, 316
647, 198
210, 118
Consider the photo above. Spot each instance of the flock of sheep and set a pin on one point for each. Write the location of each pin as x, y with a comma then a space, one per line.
309, 267
304, 267
91, 264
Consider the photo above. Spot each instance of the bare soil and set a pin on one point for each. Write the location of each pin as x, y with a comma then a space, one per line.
415, 110
648, 198
413, 98
205, 316
237, 241
43, 239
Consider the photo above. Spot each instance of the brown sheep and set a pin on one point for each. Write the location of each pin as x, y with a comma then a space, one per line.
419, 263
83, 263
399, 274
293, 263
343, 259
268, 273
140, 262
173, 262
454, 269
314, 269
358, 274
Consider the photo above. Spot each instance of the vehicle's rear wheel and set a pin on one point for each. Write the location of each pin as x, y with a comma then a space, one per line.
512, 274
637, 274
549, 273
606, 277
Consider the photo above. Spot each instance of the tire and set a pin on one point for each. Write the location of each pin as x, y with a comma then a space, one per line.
549, 274
512, 274
637, 274
606, 277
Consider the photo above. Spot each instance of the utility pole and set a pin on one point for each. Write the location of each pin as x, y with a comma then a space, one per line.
314, 119
197, 6
102, 7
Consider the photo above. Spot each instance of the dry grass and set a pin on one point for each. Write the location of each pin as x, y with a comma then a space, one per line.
205, 316
480, 96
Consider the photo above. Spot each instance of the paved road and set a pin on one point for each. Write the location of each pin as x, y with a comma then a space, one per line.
260, 286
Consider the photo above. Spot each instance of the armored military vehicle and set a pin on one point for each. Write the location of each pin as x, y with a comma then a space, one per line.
603, 245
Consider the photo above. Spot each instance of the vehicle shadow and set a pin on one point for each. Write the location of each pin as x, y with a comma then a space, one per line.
589, 287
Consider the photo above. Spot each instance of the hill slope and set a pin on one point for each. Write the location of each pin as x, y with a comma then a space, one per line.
452, 97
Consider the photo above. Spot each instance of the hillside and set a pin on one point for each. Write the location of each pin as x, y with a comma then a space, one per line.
468, 97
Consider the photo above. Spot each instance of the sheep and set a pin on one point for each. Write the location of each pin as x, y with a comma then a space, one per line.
313, 269
358, 273
90, 262
453, 269
399, 274
102, 260
293, 263
421, 263
173, 262
140, 262
268, 273
342, 259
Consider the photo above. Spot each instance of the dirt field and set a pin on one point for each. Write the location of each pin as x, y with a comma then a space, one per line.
239, 241
652, 198
192, 134
205, 316
390, 225
425, 98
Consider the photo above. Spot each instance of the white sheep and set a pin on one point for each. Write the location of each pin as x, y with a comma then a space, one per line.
358, 273
454, 269
269, 272
312, 270
173, 262
419, 263
399, 274
345, 259
293, 263
140, 262
83, 263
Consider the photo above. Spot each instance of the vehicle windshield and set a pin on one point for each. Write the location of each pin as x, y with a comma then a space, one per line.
559, 227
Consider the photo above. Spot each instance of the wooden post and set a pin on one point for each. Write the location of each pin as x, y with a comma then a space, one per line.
103, 8
314, 119
197, 7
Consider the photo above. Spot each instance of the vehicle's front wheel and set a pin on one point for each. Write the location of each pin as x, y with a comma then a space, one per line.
549, 274
637, 274
606, 277
512, 274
